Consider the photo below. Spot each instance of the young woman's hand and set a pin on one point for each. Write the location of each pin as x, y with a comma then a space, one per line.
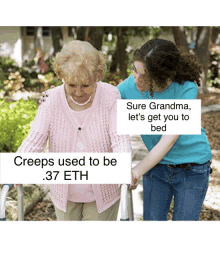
156, 154
134, 181
45, 94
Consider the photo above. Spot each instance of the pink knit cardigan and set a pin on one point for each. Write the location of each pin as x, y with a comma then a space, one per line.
54, 120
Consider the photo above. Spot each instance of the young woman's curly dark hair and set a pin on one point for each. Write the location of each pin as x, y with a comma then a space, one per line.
164, 61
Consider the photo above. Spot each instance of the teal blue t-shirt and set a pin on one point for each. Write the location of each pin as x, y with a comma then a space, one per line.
188, 148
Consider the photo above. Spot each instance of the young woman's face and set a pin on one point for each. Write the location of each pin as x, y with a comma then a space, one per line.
139, 73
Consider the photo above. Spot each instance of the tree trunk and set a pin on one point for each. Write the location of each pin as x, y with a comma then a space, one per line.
115, 59
39, 49
202, 52
82, 33
121, 51
22, 31
215, 33
57, 36
95, 37
38, 39
180, 37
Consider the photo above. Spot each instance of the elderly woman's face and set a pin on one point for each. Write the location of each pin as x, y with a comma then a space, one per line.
80, 92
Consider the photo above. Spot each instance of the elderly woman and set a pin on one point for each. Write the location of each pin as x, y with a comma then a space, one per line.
80, 116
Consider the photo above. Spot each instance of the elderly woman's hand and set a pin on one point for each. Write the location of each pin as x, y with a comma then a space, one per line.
45, 94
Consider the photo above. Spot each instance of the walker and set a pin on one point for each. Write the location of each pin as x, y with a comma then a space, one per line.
3, 197
127, 213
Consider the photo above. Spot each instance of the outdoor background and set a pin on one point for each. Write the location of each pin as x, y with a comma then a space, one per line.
25, 71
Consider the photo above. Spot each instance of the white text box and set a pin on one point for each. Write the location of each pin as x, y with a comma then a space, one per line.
65, 168
159, 117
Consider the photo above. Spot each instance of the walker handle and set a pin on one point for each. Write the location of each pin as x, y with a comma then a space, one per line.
3, 196
9, 185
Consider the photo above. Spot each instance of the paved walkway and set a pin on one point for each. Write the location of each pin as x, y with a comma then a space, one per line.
210, 108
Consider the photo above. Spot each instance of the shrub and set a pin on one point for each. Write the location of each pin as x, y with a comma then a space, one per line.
6, 63
113, 78
14, 83
213, 73
8, 66
49, 79
15, 123
30, 72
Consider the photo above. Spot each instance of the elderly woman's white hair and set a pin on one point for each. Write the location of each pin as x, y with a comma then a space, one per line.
78, 62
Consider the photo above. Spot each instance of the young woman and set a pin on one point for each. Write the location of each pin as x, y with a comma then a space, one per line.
177, 165
80, 116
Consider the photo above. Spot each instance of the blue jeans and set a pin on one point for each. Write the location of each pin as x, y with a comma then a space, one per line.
188, 186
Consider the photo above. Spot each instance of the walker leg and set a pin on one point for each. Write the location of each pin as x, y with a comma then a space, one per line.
130, 206
20, 203
126, 203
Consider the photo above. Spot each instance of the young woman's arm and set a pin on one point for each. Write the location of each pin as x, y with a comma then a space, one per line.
155, 155
119, 143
